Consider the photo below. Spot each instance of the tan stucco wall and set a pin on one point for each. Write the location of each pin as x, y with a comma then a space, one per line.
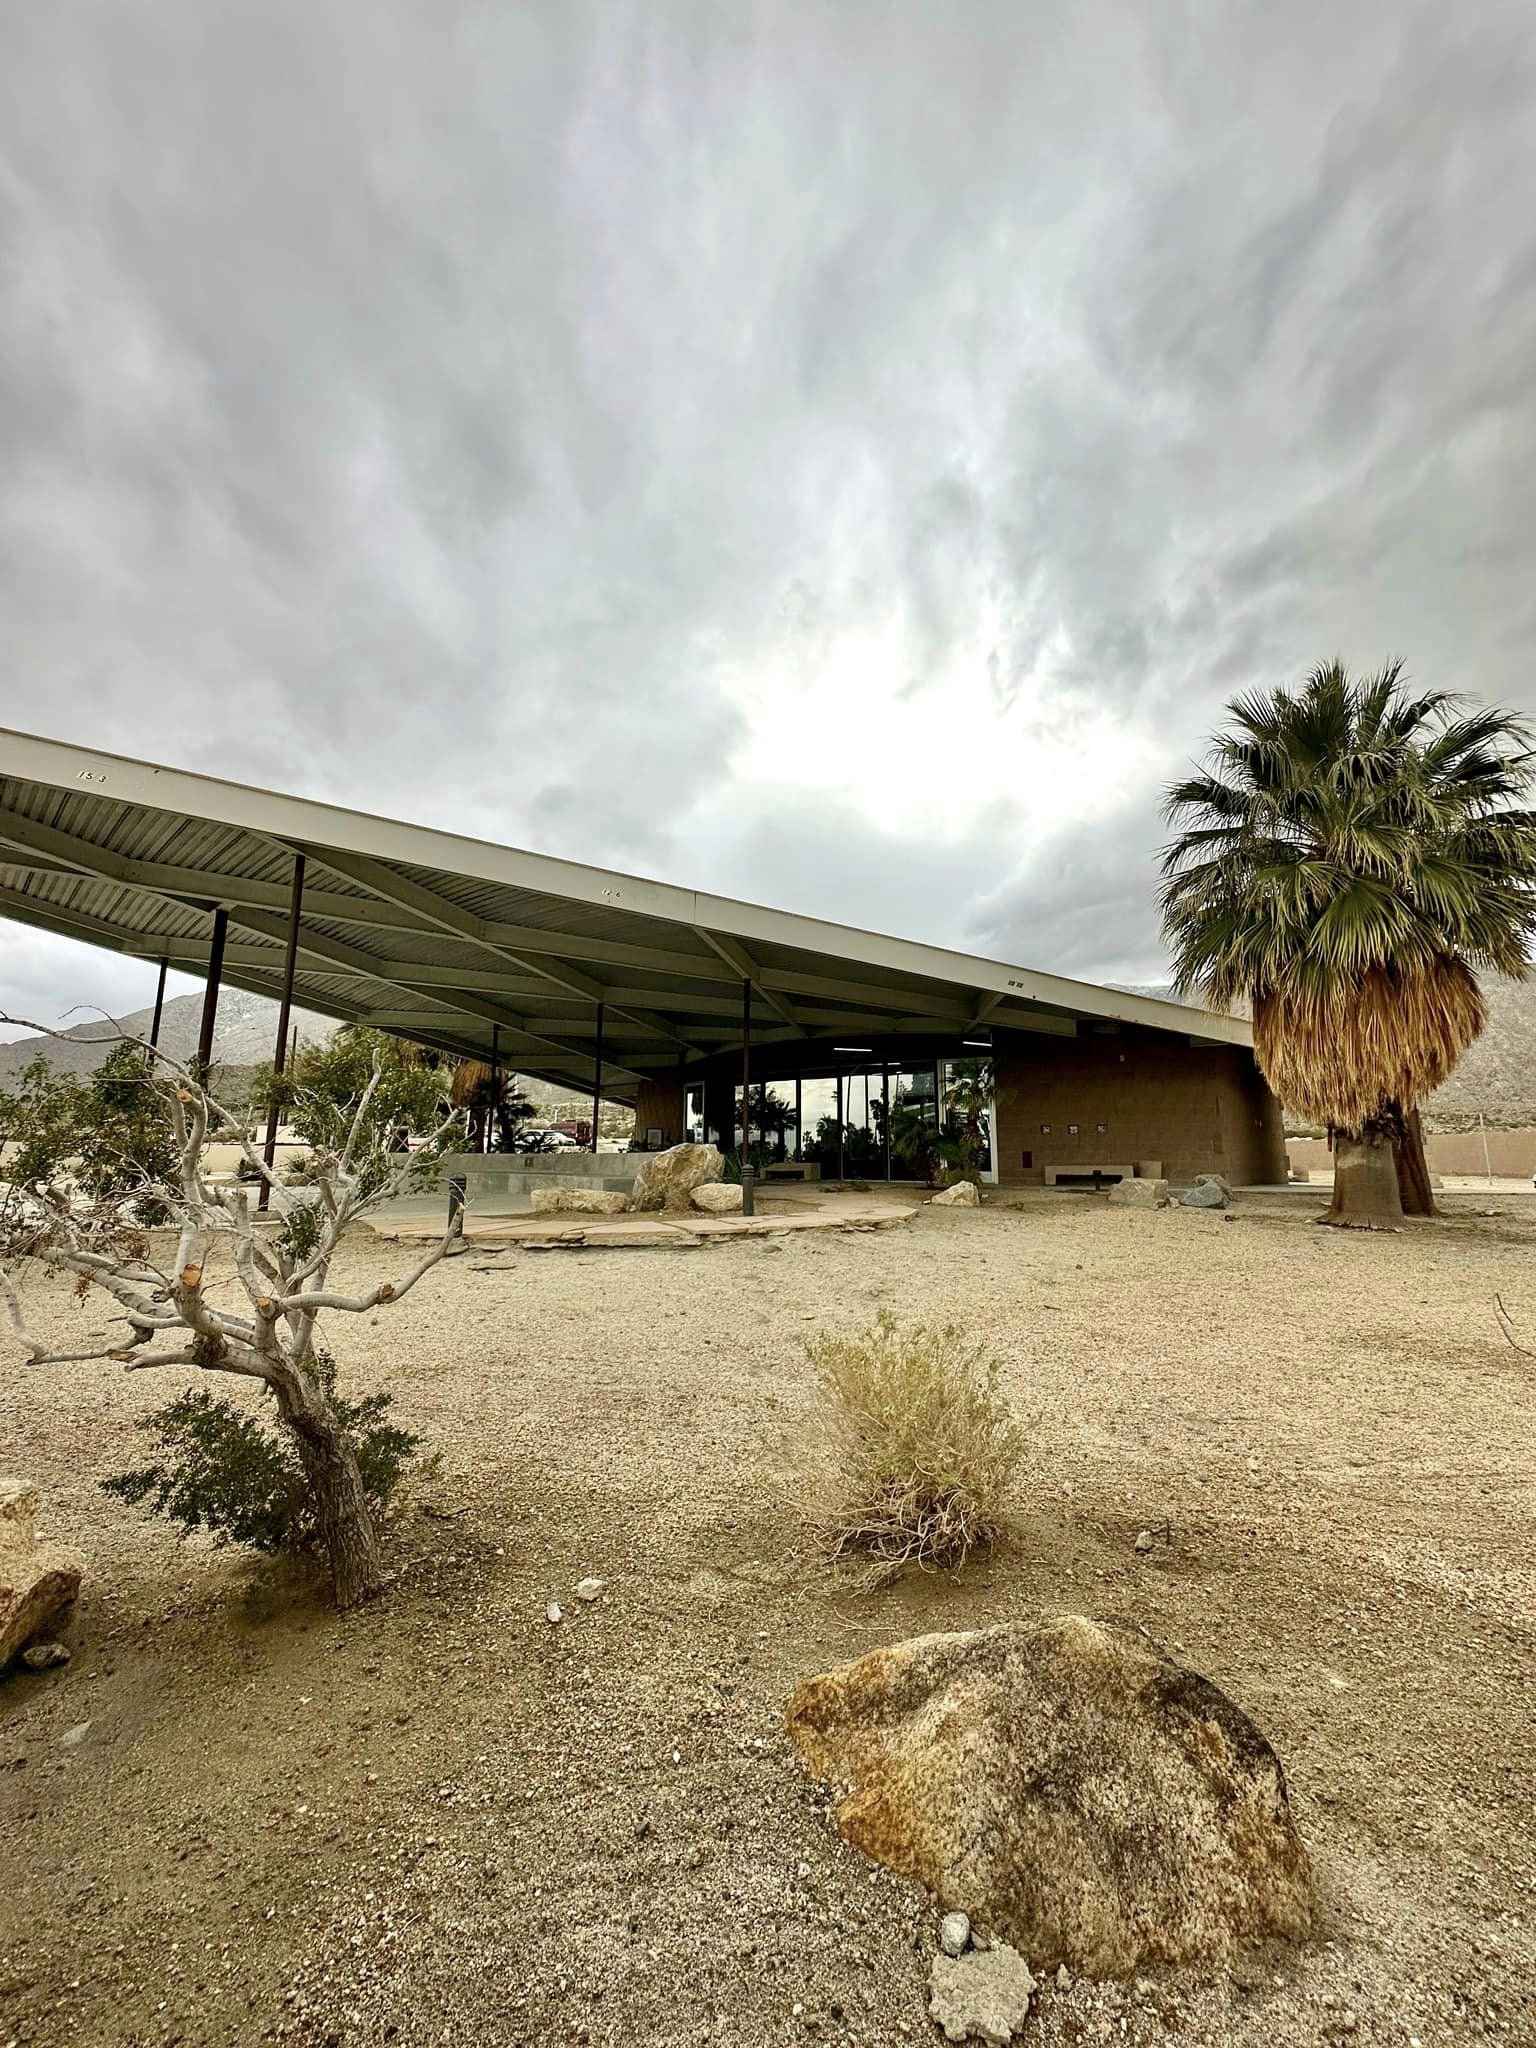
1194, 1109
1511, 1154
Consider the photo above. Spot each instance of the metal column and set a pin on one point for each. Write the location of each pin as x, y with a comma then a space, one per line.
491, 1114
154, 1029
597, 1078
799, 1124
211, 995
840, 1127
747, 1174
885, 1097
285, 1005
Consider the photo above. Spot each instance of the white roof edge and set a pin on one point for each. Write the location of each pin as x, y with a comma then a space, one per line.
62, 765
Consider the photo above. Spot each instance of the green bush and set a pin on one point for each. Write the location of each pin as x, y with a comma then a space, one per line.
926, 1448
223, 1469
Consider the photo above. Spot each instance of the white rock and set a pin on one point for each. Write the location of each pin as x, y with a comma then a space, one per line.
667, 1179
718, 1197
591, 1589
552, 1611
955, 1933
963, 1195
1144, 1540
1139, 1194
73, 1737
984, 1994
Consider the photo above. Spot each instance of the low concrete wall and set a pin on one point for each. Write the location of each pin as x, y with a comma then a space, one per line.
506, 1180
1511, 1154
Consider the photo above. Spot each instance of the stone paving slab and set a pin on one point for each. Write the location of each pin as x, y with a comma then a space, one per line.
618, 1233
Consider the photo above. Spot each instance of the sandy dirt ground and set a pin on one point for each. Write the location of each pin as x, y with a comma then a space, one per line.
443, 1819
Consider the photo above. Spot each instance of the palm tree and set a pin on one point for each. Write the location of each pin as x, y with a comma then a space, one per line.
1348, 862
969, 1101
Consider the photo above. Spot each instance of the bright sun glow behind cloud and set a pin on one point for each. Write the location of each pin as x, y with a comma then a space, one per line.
939, 748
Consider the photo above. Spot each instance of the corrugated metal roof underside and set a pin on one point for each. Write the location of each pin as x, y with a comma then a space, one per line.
446, 956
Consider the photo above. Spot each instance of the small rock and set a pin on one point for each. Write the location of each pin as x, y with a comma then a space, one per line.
984, 1994
1139, 1194
963, 1195
955, 1933
717, 1198
1207, 1193
1144, 1541
43, 1656
73, 1737
552, 1612
1063, 1978
588, 1589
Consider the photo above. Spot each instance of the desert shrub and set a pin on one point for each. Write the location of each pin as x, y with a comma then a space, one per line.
223, 1469
925, 1445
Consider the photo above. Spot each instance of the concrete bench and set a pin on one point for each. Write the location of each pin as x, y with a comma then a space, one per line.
1085, 1169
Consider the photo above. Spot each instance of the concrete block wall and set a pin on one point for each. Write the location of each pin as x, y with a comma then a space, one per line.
1194, 1109
506, 1180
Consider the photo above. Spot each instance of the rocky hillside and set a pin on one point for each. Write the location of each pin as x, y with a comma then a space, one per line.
1497, 1079
243, 1038
244, 1035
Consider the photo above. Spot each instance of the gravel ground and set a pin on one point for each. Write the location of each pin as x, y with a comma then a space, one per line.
443, 1819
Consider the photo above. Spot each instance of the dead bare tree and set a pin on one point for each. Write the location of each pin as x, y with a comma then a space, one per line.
282, 1266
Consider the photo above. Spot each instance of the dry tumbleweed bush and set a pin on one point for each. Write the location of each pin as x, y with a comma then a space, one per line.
926, 1448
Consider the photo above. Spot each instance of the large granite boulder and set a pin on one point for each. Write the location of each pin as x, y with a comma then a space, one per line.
579, 1202
1139, 1194
1069, 1786
1208, 1192
36, 1579
667, 1179
718, 1198
963, 1195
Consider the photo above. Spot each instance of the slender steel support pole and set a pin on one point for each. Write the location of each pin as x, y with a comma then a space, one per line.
284, 1008
211, 994
747, 1174
799, 1128
840, 1127
885, 1097
154, 1029
597, 1079
490, 1121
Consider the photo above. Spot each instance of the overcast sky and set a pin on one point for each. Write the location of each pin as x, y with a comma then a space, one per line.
841, 453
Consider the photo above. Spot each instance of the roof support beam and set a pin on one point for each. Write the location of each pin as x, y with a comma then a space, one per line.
105, 865
736, 955
385, 881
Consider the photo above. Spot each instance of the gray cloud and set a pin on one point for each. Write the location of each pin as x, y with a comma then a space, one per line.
458, 412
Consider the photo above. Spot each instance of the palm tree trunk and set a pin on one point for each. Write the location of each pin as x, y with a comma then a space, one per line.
1413, 1182
1365, 1193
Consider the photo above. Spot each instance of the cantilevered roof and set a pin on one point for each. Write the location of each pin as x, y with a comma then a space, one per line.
440, 938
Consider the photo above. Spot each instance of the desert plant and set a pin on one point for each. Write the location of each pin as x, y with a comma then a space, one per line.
925, 1446
1351, 858
175, 1310
320, 1094
106, 1133
223, 1469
